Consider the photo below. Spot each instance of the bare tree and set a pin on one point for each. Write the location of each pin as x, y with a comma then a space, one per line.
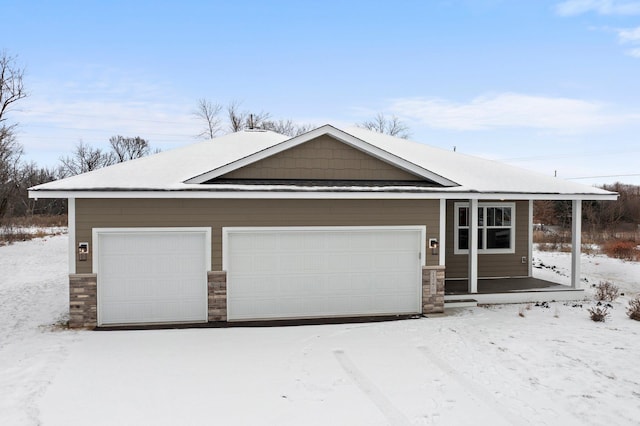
287, 127
236, 118
125, 149
11, 90
390, 126
11, 83
10, 155
85, 159
241, 120
544, 212
208, 112
31, 175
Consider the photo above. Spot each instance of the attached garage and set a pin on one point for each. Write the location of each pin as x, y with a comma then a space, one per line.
309, 272
329, 223
151, 275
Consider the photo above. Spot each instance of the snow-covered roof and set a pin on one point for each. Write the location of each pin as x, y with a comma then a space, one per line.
185, 171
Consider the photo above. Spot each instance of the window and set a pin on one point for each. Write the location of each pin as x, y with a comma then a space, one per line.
496, 227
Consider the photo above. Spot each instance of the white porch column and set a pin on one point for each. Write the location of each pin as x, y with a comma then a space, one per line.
71, 225
473, 246
576, 241
530, 255
443, 232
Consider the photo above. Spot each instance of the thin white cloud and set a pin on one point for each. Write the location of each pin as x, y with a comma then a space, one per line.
634, 52
629, 35
601, 7
509, 110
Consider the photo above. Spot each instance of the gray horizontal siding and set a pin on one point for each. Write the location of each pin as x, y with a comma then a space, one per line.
125, 213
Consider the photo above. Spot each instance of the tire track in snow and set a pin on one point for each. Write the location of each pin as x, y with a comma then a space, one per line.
476, 391
392, 414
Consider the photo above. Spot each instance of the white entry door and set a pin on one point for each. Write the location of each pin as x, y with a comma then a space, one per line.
151, 275
293, 272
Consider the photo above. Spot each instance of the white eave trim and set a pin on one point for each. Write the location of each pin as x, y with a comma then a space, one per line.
342, 136
359, 195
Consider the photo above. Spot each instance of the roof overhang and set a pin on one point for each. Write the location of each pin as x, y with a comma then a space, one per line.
321, 131
365, 193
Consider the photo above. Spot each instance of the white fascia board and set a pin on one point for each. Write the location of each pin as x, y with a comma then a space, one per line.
320, 131
449, 195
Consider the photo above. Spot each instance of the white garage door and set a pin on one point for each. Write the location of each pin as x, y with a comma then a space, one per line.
150, 275
322, 272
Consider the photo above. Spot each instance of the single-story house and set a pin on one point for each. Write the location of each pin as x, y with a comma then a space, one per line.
256, 225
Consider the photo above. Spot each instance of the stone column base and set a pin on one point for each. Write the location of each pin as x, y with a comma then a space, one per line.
432, 289
83, 302
217, 285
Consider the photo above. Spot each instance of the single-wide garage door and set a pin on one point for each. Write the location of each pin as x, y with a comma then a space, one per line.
151, 275
322, 271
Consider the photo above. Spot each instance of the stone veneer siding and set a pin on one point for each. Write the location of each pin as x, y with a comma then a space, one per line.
83, 304
217, 289
432, 289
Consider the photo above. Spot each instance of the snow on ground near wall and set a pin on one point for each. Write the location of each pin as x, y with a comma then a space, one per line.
33, 296
556, 267
475, 365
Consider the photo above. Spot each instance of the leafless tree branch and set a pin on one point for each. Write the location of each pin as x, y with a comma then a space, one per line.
208, 112
11, 83
126, 149
390, 126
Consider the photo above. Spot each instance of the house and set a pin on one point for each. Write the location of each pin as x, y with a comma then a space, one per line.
256, 225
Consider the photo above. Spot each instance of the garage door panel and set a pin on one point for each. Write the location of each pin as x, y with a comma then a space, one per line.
322, 272
151, 276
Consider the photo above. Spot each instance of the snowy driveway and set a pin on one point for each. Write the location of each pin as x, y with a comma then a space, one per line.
472, 366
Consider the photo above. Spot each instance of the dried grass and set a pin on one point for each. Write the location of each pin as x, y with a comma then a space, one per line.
634, 309
625, 250
606, 292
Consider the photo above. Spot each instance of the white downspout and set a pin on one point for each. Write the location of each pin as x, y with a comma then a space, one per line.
443, 232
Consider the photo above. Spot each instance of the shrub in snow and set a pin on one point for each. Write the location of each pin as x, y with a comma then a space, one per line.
626, 250
606, 291
598, 313
634, 309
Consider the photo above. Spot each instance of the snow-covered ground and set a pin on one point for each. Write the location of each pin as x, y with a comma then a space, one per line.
484, 365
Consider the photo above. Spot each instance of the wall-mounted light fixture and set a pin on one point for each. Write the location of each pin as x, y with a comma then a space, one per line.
434, 245
83, 251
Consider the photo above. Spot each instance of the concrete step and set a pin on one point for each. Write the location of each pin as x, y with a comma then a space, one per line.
462, 303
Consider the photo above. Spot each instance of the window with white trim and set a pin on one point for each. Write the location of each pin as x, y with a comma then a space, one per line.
496, 228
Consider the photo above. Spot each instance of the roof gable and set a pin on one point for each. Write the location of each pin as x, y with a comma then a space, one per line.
339, 135
320, 159
186, 172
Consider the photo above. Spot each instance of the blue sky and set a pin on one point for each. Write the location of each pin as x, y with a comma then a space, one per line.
552, 86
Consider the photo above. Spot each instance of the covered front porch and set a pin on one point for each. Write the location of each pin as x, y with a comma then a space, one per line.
521, 287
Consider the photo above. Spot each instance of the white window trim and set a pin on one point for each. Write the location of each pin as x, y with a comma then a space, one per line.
456, 216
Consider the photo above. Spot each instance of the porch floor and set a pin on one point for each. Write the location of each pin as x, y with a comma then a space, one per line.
504, 285
511, 290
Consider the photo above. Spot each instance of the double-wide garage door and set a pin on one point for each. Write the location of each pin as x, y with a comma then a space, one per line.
294, 272
152, 275
159, 275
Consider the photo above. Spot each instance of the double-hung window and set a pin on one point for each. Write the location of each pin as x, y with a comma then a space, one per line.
496, 228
